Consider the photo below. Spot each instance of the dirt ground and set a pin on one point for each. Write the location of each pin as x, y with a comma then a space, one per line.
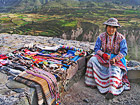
79, 94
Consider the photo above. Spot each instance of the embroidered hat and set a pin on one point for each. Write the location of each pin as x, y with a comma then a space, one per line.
112, 22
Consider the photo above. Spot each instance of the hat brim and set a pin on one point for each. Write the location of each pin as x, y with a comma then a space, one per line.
117, 25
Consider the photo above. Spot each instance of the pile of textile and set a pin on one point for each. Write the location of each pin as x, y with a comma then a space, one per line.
41, 67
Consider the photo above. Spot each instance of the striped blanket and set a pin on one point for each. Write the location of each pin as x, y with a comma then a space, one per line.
48, 91
33, 85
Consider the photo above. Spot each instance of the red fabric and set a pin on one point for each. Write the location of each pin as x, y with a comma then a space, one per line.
105, 56
3, 56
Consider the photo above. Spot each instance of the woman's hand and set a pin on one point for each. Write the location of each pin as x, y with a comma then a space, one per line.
106, 56
112, 61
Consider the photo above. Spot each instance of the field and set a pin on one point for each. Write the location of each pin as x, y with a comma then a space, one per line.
56, 21
76, 23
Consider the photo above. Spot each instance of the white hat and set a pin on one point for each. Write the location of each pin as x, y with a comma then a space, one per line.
112, 22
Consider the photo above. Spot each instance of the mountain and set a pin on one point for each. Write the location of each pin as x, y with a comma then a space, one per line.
29, 5
5, 3
17, 5
121, 2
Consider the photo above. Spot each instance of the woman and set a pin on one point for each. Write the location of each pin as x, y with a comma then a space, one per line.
106, 70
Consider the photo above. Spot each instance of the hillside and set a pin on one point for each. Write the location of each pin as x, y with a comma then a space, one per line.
73, 20
31, 5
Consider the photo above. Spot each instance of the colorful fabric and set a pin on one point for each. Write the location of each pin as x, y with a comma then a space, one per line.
114, 81
52, 78
108, 78
70, 48
118, 46
43, 83
32, 84
2, 56
49, 82
42, 67
121, 64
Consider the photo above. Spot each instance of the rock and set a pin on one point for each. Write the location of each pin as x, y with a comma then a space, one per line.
86, 100
133, 63
3, 78
13, 84
18, 90
4, 90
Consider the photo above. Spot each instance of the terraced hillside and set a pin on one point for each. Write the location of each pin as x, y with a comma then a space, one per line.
82, 23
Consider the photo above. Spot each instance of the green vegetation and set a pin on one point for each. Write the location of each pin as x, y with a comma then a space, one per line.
61, 18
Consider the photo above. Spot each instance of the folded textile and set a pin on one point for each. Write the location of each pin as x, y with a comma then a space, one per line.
32, 84
3, 62
3, 56
52, 78
11, 71
43, 83
54, 48
50, 85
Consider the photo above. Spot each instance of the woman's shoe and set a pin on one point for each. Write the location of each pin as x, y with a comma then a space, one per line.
109, 96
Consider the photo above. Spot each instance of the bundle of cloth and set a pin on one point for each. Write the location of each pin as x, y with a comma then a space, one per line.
41, 67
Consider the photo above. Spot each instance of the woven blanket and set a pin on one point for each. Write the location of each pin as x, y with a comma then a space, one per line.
43, 83
32, 84
51, 81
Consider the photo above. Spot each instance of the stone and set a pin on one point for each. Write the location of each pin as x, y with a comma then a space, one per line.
13, 84
133, 63
86, 100
3, 78
4, 90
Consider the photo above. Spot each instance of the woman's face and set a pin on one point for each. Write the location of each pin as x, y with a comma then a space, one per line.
111, 30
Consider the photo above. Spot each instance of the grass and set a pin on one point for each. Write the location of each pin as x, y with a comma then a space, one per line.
67, 17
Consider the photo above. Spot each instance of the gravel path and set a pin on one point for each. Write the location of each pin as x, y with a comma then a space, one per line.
79, 94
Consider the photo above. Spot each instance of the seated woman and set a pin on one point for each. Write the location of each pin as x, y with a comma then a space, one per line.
107, 70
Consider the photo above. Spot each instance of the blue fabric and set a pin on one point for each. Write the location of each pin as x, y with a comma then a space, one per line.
75, 58
122, 60
123, 47
71, 52
97, 45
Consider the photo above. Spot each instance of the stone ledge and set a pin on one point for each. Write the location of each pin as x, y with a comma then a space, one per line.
134, 75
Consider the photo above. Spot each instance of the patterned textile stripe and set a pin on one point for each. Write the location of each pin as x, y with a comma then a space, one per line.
50, 84
45, 73
53, 79
104, 62
49, 76
33, 85
107, 83
100, 59
89, 76
120, 65
43, 84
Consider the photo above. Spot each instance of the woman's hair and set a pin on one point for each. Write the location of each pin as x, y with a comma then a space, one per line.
113, 26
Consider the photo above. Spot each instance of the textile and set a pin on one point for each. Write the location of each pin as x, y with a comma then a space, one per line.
52, 80
43, 83
43, 65
98, 75
32, 84
119, 46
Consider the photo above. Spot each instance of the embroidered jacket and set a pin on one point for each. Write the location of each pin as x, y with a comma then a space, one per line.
116, 45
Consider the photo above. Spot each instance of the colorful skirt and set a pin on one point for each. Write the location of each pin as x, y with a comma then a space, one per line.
113, 79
